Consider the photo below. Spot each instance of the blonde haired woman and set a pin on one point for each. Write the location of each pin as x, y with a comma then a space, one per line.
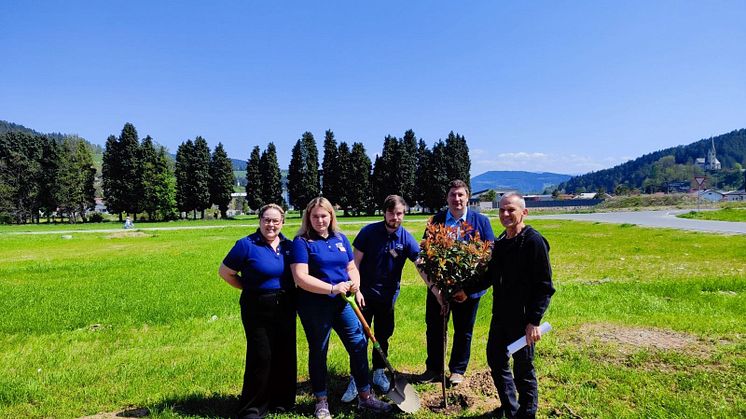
323, 267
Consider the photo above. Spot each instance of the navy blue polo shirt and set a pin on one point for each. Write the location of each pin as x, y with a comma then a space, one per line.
262, 269
384, 255
327, 258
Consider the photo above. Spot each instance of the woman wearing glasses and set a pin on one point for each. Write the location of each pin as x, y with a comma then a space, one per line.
259, 266
323, 267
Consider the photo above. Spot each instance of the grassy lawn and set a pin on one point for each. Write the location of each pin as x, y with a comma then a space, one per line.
102, 322
737, 214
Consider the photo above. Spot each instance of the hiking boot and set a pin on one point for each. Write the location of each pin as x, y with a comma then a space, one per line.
428, 376
380, 380
351, 391
373, 404
456, 379
322, 410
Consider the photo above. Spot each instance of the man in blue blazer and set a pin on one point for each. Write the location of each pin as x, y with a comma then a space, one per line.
464, 313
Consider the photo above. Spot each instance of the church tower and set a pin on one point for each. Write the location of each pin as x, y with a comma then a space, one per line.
711, 161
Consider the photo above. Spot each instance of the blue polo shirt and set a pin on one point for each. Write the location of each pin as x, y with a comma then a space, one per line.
384, 255
262, 269
327, 258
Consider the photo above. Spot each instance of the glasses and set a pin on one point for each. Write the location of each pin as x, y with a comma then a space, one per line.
271, 221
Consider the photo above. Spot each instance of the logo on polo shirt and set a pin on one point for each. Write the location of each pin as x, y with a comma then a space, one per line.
341, 247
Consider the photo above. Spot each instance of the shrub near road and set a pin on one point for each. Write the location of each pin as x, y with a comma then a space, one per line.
647, 323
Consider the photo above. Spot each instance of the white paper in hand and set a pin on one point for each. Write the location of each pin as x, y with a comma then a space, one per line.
521, 342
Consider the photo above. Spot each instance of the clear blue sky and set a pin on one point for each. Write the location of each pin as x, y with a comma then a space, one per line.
565, 87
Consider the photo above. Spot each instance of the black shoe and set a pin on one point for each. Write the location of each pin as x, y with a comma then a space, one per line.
429, 376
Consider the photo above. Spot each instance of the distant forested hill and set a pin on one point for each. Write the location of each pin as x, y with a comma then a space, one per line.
6, 126
642, 171
525, 182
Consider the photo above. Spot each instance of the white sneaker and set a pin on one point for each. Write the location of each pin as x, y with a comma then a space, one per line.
380, 380
351, 392
322, 410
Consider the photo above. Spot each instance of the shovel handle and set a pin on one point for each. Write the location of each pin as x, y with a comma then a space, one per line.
369, 333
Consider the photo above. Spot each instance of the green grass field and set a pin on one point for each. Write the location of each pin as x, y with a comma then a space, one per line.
102, 322
737, 214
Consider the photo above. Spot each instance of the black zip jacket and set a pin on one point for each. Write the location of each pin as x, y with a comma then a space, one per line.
521, 278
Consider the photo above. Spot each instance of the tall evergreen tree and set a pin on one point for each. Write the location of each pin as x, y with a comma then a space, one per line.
421, 180
314, 185
254, 180
158, 198
200, 175
129, 162
19, 175
332, 188
221, 180
271, 177
297, 175
359, 197
112, 173
458, 163
407, 167
376, 184
303, 172
184, 194
388, 183
345, 173
49, 196
76, 177
437, 174
148, 157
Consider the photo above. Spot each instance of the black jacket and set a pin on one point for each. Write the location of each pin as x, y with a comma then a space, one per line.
521, 278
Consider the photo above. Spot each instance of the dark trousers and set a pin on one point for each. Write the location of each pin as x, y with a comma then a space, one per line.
464, 316
270, 376
522, 380
382, 314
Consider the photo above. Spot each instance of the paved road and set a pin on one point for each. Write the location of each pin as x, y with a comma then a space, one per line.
665, 219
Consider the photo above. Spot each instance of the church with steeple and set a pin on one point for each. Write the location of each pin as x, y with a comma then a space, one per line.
709, 163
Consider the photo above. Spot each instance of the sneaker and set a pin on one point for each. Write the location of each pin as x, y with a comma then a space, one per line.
322, 410
428, 376
456, 379
351, 391
373, 404
380, 380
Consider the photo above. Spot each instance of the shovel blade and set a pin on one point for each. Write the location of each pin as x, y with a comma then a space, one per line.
404, 395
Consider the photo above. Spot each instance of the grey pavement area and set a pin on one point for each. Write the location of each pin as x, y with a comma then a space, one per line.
660, 219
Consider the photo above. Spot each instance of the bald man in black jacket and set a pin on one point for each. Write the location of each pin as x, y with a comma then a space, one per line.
521, 277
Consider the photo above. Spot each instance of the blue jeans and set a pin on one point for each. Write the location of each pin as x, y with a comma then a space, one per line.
319, 314
464, 316
519, 395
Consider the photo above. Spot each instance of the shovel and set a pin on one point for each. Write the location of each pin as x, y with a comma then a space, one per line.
401, 392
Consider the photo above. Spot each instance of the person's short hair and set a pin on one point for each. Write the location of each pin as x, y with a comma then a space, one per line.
272, 206
517, 197
458, 183
306, 229
392, 201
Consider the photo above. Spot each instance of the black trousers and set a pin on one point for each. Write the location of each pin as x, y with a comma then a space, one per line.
523, 379
382, 314
464, 316
270, 376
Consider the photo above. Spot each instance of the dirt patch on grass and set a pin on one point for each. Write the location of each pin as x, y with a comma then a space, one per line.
636, 337
127, 235
134, 412
476, 394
